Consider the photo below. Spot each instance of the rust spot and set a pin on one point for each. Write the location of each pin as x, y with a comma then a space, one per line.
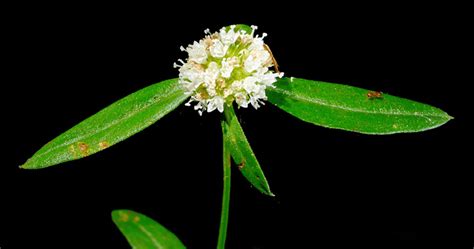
136, 219
84, 148
241, 165
103, 145
374, 95
123, 217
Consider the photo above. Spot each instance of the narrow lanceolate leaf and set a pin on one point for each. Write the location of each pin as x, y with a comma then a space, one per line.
242, 153
113, 124
353, 109
144, 233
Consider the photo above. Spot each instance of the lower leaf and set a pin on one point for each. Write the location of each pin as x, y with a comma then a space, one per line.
144, 233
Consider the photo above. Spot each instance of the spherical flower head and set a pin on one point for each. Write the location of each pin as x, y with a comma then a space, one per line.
227, 66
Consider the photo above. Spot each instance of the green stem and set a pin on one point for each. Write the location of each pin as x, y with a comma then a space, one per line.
225, 200
226, 191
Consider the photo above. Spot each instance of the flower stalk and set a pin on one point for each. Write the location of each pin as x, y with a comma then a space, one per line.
226, 186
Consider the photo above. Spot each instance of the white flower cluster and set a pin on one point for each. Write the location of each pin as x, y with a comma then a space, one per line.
225, 66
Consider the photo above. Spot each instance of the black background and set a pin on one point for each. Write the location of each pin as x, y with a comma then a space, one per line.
334, 189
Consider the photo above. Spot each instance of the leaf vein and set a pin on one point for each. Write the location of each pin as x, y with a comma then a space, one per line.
150, 236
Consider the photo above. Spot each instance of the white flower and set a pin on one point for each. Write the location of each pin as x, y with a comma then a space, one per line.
257, 59
197, 52
216, 103
241, 100
227, 66
228, 37
217, 49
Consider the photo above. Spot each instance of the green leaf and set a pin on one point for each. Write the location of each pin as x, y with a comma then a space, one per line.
143, 232
242, 152
113, 124
350, 108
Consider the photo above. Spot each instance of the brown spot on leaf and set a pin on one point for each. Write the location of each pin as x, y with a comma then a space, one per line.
241, 165
103, 145
83, 148
136, 219
123, 216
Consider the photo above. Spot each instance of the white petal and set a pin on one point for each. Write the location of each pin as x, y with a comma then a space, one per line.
217, 49
227, 68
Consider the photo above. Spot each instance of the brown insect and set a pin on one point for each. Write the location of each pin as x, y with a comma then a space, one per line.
275, 64
374, 95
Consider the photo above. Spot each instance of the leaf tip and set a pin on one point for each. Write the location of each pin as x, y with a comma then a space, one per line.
31, 164
120, 215
26, 165
266, 191
445, 114
446, 118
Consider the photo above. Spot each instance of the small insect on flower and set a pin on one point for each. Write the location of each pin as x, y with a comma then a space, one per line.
374, 95
275, 63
